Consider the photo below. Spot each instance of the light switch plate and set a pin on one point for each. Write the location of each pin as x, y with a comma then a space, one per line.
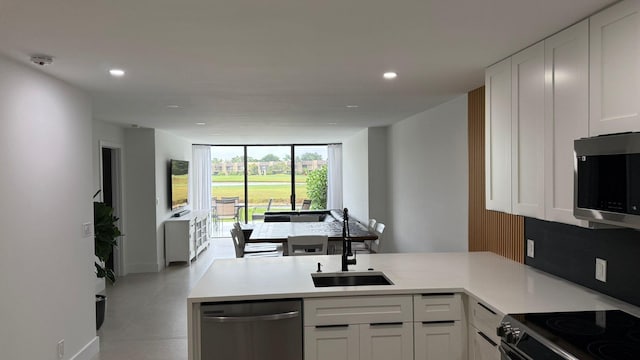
530, 248
601, 270
87, 229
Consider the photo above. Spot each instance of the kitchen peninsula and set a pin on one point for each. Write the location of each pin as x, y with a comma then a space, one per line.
465, 291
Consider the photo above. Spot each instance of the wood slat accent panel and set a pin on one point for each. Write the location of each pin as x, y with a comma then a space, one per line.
489, 230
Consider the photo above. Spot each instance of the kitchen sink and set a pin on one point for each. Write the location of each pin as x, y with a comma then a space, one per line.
350, 279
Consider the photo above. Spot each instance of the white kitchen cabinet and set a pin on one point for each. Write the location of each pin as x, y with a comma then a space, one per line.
482, 337
481, 347
527, 131
438, 325
386, 341
566, 116
331, 342
498, 136
358, 328
615, 69
438, 340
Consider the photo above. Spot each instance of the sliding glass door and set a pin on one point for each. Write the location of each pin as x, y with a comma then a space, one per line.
269, 180
249, 180
310, 183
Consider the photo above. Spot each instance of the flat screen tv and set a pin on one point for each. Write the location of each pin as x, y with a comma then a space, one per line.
179, 178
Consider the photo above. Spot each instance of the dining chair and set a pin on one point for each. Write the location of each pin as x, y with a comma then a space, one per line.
305, 218
375, 246
242, 251
307, 245
255, 247
372, 224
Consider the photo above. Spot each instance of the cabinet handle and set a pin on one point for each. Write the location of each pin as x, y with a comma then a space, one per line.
331, 326
386, 324
438, 294
487, 338
438, 322
486, 308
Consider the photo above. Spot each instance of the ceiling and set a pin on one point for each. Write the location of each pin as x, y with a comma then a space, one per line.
277, 71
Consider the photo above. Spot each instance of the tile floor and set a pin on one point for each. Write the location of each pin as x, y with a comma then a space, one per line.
146, 315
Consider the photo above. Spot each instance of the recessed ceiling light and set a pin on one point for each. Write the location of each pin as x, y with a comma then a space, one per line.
215, 134
116, 72
390, 75
333, 123
201, 124
352, 106
174, 106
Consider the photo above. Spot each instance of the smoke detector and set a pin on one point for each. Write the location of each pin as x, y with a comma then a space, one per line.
42, 60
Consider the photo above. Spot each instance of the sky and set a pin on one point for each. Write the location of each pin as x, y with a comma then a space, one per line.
258, 152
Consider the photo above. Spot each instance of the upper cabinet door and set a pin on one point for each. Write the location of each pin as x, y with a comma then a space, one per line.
566, 116
527, 131
498, 136
615, 69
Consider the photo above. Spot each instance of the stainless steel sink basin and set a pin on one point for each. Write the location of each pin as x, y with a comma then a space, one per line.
350, 279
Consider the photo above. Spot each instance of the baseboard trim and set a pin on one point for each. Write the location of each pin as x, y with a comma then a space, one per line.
89, 351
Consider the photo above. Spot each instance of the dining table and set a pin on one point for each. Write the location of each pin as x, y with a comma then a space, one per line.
278, 232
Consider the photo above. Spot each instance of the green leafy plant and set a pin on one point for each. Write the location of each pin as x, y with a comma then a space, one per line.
317, 188
106, 233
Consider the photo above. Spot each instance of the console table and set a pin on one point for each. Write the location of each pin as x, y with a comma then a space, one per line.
185, 237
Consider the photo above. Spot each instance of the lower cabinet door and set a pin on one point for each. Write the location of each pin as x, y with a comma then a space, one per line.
386, 341
331, 342
481, 347
439, 340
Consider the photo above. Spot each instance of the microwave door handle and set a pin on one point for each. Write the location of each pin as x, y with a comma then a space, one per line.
268, 317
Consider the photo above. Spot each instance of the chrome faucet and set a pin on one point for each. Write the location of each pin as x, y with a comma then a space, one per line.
346, 242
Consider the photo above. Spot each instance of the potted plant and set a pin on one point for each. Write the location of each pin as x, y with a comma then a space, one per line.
105, 234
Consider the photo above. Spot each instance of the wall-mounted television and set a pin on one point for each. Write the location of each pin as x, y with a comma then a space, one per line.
179, 182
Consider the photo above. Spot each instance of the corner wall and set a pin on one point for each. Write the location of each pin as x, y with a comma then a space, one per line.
168, 147
355, 175
46, 264
428, 181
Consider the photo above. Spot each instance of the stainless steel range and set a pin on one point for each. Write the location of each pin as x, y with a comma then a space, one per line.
606, 335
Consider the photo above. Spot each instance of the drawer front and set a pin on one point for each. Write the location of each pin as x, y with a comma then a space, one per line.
437, 307
485, 319
357, 310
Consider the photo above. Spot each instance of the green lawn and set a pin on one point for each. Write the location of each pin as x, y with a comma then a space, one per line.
259, 178
260, 194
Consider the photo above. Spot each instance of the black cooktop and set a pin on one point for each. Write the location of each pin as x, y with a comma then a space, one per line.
606, 335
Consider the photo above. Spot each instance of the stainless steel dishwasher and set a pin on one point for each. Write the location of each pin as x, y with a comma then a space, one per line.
251, 330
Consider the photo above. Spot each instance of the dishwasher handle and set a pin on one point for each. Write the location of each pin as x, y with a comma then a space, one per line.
268, 317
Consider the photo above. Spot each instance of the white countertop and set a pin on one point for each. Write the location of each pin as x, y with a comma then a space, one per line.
508, 286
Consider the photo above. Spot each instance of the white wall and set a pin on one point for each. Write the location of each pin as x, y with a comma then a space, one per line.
428, 184
378, 175
46, 265
167, 147
355, 175
140, 201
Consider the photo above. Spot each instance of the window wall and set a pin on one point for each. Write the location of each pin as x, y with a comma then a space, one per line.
267, 178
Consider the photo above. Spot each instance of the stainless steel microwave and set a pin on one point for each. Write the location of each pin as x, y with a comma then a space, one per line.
607, 179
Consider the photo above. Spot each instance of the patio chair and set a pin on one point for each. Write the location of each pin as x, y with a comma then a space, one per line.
255, 216
225, 208
306, 204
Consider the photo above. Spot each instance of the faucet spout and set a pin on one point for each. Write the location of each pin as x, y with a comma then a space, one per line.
346, 242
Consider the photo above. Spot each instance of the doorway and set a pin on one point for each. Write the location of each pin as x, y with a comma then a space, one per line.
111, 185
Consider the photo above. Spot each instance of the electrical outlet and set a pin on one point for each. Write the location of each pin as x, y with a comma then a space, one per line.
87, 229
61, 349
601, 270
530, 248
